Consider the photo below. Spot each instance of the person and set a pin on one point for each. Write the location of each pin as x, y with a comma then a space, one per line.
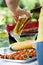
15, 9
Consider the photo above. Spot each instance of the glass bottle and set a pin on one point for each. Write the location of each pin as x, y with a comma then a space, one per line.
4, 37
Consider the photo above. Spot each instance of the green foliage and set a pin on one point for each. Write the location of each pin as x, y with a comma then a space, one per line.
22, 39
21, 5
37, 5
29, 4
3, 3
35, 16
7, 18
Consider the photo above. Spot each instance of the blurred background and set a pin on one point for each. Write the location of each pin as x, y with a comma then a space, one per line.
32, 6
26, 5
29, 4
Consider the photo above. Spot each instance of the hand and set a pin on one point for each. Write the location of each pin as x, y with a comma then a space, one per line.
13, 6
20, 12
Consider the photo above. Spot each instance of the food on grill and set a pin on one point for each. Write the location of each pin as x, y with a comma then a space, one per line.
23, 45
21, 55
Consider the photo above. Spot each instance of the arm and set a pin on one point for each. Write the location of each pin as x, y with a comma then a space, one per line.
12, 4
16, 10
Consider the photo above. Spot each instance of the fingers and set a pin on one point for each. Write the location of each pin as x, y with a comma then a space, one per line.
20, 12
